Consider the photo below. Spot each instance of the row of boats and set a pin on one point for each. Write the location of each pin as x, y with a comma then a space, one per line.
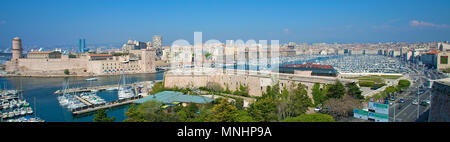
13, 107
75, 101
26, 119
92, 98
69, 101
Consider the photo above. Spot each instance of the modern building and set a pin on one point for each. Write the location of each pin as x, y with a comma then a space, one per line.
430, 59
157, 44
134, 45
82, 45
309, 69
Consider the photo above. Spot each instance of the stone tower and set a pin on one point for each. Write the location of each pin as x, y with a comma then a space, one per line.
16, 49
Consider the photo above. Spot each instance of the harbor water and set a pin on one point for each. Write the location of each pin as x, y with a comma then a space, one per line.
47, 106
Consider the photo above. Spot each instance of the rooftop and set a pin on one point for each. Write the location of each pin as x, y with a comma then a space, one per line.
310, 65
41, 52
167, 97
99, 55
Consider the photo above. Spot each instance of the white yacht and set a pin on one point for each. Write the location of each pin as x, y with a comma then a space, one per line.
92, 79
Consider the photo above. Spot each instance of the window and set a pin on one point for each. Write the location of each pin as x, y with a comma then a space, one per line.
444, 59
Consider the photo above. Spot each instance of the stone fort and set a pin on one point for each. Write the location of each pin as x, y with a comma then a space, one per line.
257, 81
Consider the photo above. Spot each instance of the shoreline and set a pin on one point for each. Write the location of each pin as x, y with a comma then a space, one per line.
57, 76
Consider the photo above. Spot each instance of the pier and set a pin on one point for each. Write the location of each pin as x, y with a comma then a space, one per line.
108, 105
83, 101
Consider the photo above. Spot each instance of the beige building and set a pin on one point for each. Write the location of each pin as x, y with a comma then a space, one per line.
49, 63
444, 46
442, 60
44, 55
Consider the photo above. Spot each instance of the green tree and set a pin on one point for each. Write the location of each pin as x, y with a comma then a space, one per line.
242, 91
299, 101
354, 91
342, 107
239, 103
314, 117
263, 110
224, 112
318, 94
134, 115
208, 56
272, 91
403, 84
157, 87
227, 90
391, 89
101, 116
150, 111
244, 116
66, 71
336, 91
188, 113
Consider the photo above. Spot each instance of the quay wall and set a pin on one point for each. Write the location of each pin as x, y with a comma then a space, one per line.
257, 82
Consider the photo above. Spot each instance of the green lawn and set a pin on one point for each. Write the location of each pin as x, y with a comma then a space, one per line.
366, 81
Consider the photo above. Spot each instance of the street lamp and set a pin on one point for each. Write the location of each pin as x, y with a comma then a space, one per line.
418, 104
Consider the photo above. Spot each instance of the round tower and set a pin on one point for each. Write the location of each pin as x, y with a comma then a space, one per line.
16, 48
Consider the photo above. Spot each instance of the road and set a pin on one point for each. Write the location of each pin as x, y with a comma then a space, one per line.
407, 112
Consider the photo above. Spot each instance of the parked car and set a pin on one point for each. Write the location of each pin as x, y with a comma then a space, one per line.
401, 100
317, 109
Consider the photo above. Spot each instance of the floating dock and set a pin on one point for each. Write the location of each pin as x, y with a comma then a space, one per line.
83, 101
108, 105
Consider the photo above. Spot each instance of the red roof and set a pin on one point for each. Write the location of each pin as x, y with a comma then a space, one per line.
100, 55
433, 52
309, 65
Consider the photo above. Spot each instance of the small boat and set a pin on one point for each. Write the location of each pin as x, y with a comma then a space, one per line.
23, 111
92, 79
29, 110
16, 112
11, 114
111, 89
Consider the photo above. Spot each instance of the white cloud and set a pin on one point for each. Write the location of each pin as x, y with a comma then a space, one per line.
416, 23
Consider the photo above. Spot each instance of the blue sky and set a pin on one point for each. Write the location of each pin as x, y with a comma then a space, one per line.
46, 23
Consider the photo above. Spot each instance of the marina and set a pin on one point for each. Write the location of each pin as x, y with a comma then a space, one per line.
49, 108
13, 108
84, 100
81, 100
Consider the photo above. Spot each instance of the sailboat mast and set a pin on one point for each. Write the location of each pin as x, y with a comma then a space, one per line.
34, 107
